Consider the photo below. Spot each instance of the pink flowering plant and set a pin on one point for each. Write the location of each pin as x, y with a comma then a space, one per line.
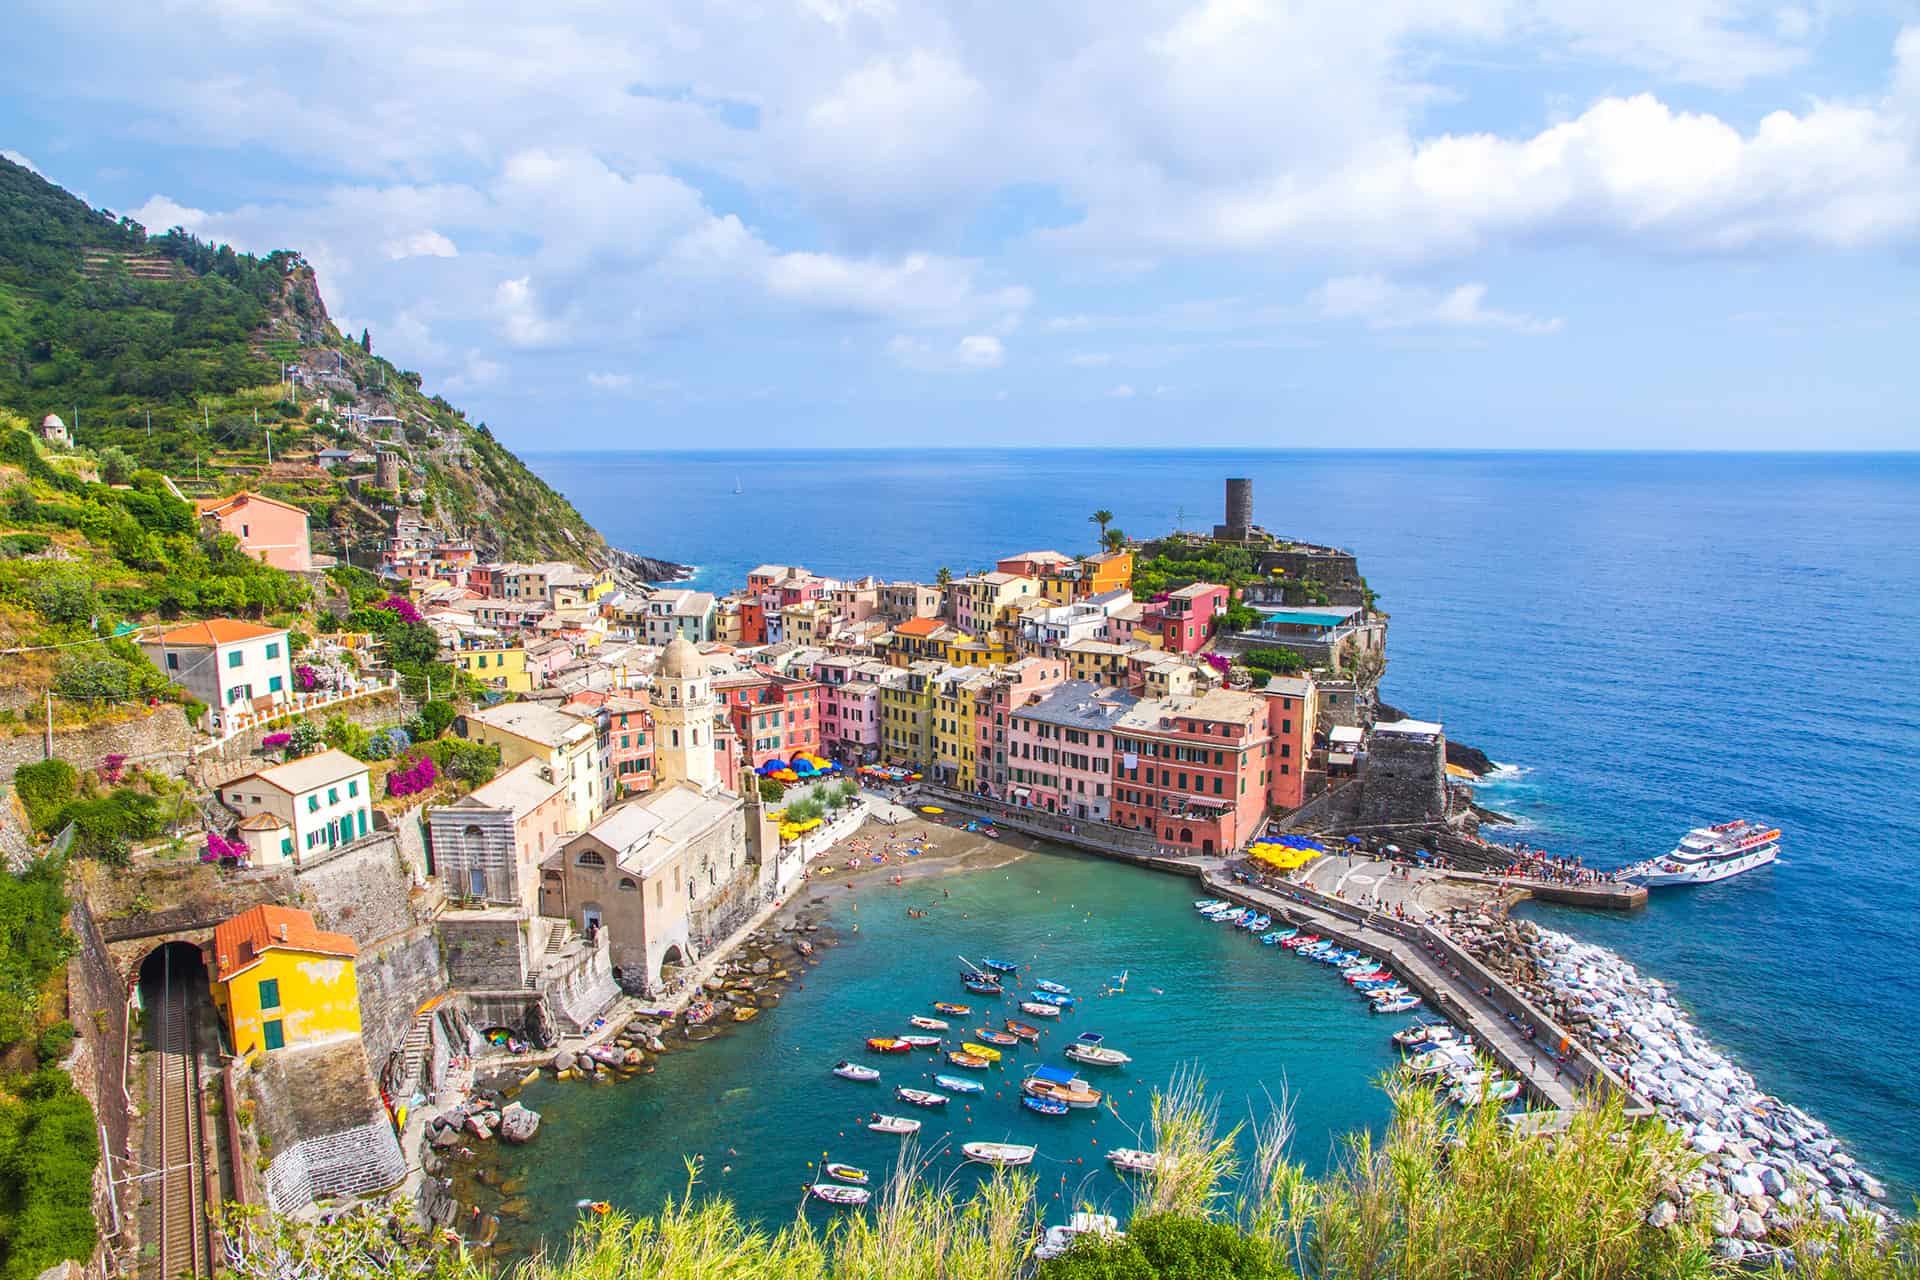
305, 678
274, 741
219, 848
411, 776
400, 607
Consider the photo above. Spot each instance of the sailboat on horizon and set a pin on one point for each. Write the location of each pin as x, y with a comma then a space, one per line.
736, 485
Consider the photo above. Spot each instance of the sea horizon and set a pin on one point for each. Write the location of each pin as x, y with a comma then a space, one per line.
1171, 450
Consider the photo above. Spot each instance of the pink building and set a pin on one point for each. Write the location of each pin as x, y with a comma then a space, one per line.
270, 531
1184, 619
773, 716
1060, 750
630, 744
850, 707
1013, 686
1194, 771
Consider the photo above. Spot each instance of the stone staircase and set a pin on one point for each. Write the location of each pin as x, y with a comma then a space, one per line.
413, 1050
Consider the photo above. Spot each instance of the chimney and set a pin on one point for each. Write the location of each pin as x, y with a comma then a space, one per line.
283, 931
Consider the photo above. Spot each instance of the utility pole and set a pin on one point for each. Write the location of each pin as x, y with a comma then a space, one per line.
149, 427
49, 754
256, 414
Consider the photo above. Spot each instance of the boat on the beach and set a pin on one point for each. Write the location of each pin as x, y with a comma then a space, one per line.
956, 1010
1045, 1106
1707, 854
854, 1071
988, 1052
925, 1023
898, 1126
841, 1197
1053, 988
888, 1044
922, 1042
1023, 1030
921, 1097
971, 1061
1005, 1039
1005, 1154
1033, 1008
1134, 1160
959, 1084
846, 1172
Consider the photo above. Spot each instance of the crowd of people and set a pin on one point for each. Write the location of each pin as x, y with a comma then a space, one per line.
1530, 863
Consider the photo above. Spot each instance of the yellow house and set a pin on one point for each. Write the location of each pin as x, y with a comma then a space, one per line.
974, 651
281, 983
504, 668
906, 736
951, 727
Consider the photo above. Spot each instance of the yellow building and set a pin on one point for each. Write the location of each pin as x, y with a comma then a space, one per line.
1061, 586
1108, 571
906, 708
974, 651
950, 724
1098, 662
568, 746
281, 983
503, 668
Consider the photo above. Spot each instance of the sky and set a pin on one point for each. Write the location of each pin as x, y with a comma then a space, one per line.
1407, 223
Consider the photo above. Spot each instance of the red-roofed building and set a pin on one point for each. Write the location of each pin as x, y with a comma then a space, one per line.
281, 982
773, 716
225, 663
271, 531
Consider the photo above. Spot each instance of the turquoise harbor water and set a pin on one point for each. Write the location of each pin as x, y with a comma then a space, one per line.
1261, 1021
1655, 641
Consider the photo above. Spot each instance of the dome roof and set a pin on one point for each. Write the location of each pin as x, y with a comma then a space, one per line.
682, 661
53, 420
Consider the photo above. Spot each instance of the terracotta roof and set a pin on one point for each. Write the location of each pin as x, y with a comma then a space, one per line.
219, 631
262, 822
217, 505
918, 627
239, 943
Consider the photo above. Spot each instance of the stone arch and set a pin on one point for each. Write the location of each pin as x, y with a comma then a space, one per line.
673, 958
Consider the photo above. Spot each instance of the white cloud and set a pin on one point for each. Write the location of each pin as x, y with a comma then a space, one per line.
1122, 392
476, 373
161, 214
20, 160
1379, 303
522, 323
970, 354
981, 351
610, 381
426, 243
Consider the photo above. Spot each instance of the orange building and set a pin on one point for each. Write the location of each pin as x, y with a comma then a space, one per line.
1108, 571
271, 531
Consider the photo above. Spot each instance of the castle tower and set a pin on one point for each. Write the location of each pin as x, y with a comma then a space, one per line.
683, 718
1239, 523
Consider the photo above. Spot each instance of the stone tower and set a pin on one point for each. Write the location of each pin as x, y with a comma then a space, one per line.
1239, 522
386, 472
682, 718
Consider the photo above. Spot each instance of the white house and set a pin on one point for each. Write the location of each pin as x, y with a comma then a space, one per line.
225, 663
303, 808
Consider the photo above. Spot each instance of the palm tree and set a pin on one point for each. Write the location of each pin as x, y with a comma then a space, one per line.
1113, 539
944, 576
1103, 518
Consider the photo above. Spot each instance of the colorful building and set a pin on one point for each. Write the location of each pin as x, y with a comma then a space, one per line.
1008, 689
1034, 564
919, 640
225, 663
567, 745
1060, 750
497, 666
279, 982
906, 600
1194, 770
1184, 620
1290, 722
1108, 571
488, 844
773, 716
850, 706
906, 706
950, 722
1098, 662
301, 809
271, 531
630, 745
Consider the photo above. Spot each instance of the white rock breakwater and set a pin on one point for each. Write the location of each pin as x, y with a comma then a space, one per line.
1764, 1162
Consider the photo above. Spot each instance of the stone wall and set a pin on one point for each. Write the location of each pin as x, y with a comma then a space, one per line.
160, 740
345, 1165
375, 710
363, 890
485, 952
97, 997
1404, 780
1336, 571
396, 977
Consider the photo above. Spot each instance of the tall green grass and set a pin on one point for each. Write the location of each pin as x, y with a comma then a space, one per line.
1439, 1196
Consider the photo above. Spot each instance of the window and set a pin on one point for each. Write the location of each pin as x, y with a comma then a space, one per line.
270, 993
286, 845
273, 648
173, 662
273, 684
628, 885
235, 658
313, 803
590, 858
333, 795
353, 786
275, 1033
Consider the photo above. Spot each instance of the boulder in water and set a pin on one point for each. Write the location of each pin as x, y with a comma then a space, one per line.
518, 1123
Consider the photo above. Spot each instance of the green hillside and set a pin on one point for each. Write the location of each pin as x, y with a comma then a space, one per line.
172, 350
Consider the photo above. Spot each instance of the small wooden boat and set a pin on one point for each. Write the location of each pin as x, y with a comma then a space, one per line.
1053, 988
1035, 1009
897, 1126
959, 1084
922, 1042
988, 1035
1004, 1154
1134, 1160
854, 1071
1054, 998
838, 1196
1045, 1106
971, 1061
1097, 1055
888, 1044
699, 1012
980, 987
1000, 966
957, 1010
846, 1173
1061, 1085
1022, 1030
981, 1051
921, 1097
929, 1024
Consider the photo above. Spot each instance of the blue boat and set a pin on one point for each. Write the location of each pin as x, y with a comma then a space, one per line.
981, 987
1055, 987
959, 1085
1045, 1106
1052, 998
1001, 966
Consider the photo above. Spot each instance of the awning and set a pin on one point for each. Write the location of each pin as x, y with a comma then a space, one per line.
1020, 793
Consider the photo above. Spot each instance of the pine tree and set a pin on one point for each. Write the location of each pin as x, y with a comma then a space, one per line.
366, 342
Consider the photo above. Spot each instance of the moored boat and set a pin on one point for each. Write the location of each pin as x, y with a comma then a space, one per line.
1045, 1106
987, 1035
959, 1084
971, 1061
921, 1042
1005, 1154
887, 1044
841, 1197
897, 1126
956, 1010
846, 1173
981, 987
1097, 1055
925, 1023
1001, 966
1054, 998
1061, 1085
1053, 987
921, 1097
1423, 1033
1134, 1160
854, 1071
1399, 1004
1033, 1008
1707, 854
1022, 1030
988, 1052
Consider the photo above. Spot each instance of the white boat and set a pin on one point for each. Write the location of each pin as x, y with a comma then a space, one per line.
835, 1194
1399, 1004
1487, 1089
900, 1126
1005, 1154
1707, 854
1134, 1160
1034, 1008
1054, 988
1097, 1055
919, 1042
929, 1024
854, 1071
1207, 904
1059, 1239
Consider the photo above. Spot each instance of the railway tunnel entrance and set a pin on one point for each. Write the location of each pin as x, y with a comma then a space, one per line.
179, 1046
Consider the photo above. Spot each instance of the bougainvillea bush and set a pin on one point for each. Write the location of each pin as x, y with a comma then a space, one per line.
400, 607
273, 741
412, 776
305, 678
218, 847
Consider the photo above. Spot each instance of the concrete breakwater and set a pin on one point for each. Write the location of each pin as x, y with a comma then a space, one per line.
1763, 1161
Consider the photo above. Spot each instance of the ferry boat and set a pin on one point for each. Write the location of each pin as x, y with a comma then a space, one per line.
1707, 854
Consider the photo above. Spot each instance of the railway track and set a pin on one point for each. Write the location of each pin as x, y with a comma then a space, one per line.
174, 1084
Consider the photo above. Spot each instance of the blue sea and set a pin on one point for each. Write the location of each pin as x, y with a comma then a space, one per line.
1648, 641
